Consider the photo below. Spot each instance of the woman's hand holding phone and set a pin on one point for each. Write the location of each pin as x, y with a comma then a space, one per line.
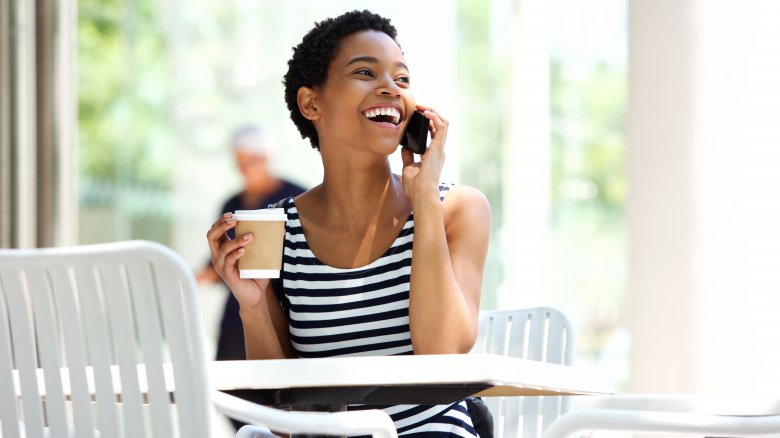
424, 176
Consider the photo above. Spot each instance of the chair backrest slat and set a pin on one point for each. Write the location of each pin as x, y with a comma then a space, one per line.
47, 341
184, 350
75, 352
150, 335
120, 309
8, 408
537, 344
557, 331
517, 343
24, 353
96, 328
497, 342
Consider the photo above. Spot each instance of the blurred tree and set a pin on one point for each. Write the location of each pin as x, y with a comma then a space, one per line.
124, 137
588, 111
125, 143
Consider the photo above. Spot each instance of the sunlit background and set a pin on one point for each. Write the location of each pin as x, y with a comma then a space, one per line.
161, 87
629, 150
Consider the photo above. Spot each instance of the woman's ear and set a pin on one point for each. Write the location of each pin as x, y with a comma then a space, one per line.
307, 103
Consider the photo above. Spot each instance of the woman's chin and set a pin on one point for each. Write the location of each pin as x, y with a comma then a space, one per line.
384, 147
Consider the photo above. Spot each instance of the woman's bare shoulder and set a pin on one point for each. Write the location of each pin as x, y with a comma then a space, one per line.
465, 204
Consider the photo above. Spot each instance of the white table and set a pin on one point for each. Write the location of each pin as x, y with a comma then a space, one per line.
423, 379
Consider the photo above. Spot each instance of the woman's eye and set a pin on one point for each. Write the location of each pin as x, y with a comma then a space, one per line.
364, 72
402, 79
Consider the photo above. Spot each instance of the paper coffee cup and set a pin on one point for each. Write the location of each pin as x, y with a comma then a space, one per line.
263, 256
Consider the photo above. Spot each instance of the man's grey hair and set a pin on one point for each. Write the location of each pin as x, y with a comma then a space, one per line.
251, 138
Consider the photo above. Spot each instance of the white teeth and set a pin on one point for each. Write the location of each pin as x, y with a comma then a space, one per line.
384, 111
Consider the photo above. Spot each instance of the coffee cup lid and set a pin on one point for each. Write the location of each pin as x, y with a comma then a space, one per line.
263, 214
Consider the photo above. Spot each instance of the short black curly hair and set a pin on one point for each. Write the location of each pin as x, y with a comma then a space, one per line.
309, 64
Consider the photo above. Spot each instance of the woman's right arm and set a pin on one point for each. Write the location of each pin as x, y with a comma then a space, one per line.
265, 325
266, 330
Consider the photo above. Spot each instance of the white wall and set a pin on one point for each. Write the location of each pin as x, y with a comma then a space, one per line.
704, 195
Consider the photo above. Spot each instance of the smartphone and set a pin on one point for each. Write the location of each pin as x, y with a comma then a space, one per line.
415, 137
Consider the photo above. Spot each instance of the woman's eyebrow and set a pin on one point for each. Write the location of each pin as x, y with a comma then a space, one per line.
373, 60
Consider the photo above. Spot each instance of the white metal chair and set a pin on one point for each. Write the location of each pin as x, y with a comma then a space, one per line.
735, 416
544, 334
111, 335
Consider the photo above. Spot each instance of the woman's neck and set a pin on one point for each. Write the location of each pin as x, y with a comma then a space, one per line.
358, 195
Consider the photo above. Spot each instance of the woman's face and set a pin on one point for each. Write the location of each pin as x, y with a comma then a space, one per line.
366, 101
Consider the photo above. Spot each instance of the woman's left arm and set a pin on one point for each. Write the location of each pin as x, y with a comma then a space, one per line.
448, 253
448, 264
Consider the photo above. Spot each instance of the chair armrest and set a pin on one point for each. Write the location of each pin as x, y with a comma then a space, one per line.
686, 403
373, 422
660, 422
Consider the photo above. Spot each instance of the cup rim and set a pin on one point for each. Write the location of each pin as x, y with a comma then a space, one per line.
263, 214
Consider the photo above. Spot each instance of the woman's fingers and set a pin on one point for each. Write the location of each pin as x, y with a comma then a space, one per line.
224, 251
226, 256
231, 259
407, 157
437, 118
217, 233
439, 125
216, 236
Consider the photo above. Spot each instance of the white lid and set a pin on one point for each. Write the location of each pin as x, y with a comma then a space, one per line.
263, 214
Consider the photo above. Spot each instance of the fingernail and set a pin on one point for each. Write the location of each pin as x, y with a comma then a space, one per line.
240, 250
248, 236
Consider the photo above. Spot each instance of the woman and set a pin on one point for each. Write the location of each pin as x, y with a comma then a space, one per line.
363, 275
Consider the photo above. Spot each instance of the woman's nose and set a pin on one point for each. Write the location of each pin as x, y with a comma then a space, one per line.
388, 87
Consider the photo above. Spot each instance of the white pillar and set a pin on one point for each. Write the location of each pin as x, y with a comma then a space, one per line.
526, 175
661, 139
703, 195
22, 124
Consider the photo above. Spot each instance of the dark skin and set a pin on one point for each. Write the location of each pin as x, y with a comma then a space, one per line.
354, 215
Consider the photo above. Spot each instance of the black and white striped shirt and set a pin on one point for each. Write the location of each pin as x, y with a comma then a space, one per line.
360, 312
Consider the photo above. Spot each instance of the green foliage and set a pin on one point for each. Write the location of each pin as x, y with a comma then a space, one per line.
123, 106
588, 108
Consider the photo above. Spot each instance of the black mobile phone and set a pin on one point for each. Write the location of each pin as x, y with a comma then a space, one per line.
415, 137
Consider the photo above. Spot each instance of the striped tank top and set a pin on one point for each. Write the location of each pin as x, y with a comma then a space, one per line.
360, 312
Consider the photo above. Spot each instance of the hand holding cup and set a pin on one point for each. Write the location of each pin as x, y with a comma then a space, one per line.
226, 253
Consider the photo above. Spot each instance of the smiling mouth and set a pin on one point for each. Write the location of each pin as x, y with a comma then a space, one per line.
383, 115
